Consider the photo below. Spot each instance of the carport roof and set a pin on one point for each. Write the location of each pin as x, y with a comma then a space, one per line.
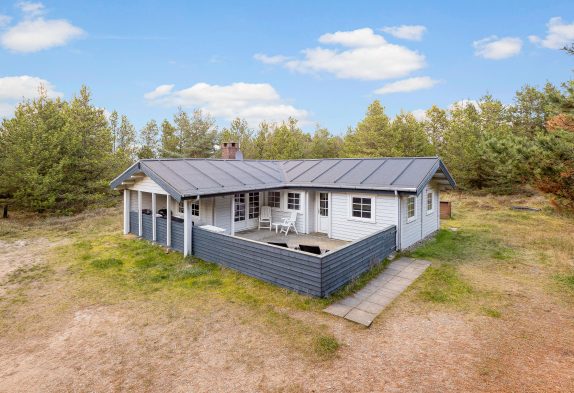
187, 178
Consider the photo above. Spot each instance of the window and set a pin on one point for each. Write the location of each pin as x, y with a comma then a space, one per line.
293, 201
430, 202
411, 208
361, 208
323, 204
195, 208
253, 204
274, 199
239, 207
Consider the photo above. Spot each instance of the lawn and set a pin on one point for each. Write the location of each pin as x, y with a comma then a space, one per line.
83, 307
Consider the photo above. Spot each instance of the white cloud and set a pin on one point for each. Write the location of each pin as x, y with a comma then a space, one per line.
365, 55
15, 88
495, 48
159, 91
4, 20
34, 33
31, 9
360, 38
558, 35
278, 59
420, 114
407, 85
253, 101
406, 32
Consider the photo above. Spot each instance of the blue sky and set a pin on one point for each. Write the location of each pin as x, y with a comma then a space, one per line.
323, 62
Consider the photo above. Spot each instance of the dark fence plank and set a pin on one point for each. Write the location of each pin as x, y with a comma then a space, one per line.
341, 266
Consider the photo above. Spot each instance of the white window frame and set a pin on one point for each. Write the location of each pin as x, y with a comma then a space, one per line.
253, 214
325, 208
414, 217
431, 194
195, 207
237, 204
269, 194
300, 201
373, 208
180, 208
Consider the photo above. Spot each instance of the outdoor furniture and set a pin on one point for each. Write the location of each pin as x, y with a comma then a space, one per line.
289, 223
311, 249
212, 228
278, 244
276, 225
265, 217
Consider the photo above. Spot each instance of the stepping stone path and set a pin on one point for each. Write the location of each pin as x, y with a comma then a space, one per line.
366, 304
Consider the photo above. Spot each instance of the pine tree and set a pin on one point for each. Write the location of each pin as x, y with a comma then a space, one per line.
372, 137
149, 140
410, 139
170, 141
324, 145
126, 146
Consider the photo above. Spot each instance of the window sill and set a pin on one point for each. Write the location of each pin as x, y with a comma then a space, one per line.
359, 219
430, 212
412, 219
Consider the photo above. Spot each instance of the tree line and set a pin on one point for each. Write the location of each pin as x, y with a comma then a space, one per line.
59, 156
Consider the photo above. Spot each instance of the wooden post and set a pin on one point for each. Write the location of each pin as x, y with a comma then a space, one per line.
140, 229
168, 223
232, 227
153, 217
126, 212
187, 228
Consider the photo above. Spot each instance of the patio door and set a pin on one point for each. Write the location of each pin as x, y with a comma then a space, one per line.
323, 212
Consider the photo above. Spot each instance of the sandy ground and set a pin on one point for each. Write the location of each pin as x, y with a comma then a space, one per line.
409, 348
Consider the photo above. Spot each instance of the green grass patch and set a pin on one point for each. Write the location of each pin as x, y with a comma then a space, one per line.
442, 284
326, 346
463, 245
566, 281
491, 312
105, 263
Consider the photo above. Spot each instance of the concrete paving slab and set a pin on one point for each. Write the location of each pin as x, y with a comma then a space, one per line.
371, 307
338, 309
364, 306
362, 317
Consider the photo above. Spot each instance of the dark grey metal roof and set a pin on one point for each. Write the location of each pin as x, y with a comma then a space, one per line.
186, 178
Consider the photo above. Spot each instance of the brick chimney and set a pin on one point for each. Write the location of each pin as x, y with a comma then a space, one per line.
229, 150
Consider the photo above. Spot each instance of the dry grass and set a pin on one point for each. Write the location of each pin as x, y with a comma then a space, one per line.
103, 312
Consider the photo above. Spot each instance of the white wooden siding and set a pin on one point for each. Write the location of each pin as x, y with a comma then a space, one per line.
312, 210
222, 212
133, 201
147, 185
345, 228
430, 221
279, 213
410, 231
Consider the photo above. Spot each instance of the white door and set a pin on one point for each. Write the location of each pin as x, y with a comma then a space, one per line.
323, 212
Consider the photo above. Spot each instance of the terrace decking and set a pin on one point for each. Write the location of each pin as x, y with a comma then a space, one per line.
292, 239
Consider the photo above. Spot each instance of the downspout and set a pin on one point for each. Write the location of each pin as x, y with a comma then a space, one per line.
398, 234
191, 229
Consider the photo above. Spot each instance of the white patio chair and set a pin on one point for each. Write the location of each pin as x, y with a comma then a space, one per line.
265, 217
289, 223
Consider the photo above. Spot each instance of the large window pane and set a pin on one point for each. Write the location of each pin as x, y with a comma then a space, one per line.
253, 204
293, 201
239, 207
